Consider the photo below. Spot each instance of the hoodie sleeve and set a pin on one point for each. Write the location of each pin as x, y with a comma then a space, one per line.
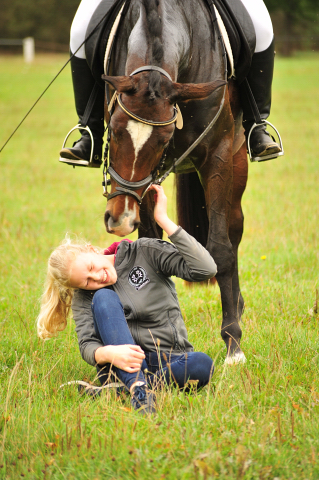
88, 340
186, 259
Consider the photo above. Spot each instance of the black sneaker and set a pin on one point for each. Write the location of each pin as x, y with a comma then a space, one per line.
143, 400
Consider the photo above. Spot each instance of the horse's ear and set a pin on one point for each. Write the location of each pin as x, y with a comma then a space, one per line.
120, 84
193, 91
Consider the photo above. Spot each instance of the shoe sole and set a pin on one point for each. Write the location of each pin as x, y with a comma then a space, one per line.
270, 150
66, 156
87, 387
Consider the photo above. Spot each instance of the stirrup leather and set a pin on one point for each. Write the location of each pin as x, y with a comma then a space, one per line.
75, 162
262, 158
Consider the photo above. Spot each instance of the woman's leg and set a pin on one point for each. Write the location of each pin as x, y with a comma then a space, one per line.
83, 84
111, 325
262, 22
258, 83
179, 369
80, 24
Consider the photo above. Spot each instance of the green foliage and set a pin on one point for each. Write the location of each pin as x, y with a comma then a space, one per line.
295, 24
296, 8
255, 421
46, 20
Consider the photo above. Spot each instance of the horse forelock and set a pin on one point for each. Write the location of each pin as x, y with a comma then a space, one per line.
154, 33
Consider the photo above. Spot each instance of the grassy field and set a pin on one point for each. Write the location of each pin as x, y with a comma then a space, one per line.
255, 421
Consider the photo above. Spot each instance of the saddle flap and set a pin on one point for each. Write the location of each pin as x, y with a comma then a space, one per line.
106, 12
241, 33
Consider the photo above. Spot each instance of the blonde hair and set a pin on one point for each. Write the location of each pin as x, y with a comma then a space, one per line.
57, 297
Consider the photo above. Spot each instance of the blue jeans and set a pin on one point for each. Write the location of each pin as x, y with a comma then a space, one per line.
166, 368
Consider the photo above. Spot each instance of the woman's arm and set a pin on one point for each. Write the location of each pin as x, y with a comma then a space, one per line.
88, 340
160, 211
189, 260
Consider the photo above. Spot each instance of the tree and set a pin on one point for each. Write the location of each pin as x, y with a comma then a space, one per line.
296, 18
45, 20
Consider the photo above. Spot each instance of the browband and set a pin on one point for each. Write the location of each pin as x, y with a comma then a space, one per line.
151, 67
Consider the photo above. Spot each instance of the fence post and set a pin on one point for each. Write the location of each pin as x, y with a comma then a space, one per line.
28, 49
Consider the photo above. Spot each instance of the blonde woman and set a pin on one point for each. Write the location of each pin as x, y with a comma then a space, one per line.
128, 319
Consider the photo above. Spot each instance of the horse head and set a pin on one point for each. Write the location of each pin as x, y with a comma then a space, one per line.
140, 129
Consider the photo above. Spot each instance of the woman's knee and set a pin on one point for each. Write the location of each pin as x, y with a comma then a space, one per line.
105, 298
205, 363
80, 24
191, 366
262, 23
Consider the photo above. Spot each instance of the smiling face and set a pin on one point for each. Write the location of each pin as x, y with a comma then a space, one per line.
92, 271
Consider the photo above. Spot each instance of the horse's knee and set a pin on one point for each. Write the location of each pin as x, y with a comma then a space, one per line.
224, 257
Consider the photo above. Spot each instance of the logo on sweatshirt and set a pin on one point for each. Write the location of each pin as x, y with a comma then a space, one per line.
138, 278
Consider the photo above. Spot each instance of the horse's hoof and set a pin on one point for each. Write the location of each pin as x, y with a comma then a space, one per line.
238, 357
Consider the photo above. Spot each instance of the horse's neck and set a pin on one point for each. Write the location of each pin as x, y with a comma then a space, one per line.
187, 36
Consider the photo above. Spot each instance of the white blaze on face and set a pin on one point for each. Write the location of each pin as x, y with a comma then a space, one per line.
140, 133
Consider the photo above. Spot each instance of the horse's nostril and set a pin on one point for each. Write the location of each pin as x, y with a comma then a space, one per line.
136, 225
106, 218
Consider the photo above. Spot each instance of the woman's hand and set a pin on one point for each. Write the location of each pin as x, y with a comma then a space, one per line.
126, 357
160, 210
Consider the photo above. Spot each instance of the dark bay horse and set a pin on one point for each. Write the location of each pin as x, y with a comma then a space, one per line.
179, 39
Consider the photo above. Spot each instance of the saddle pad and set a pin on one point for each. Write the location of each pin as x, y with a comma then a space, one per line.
228, 48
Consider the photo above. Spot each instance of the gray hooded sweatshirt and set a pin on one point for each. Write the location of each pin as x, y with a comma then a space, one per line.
147, 293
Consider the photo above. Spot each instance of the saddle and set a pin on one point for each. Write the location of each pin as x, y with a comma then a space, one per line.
236, 19
99, 35
241, 33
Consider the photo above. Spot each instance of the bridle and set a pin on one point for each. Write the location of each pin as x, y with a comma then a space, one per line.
126, 187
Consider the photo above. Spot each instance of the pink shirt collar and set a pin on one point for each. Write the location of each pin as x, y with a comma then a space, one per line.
112, 249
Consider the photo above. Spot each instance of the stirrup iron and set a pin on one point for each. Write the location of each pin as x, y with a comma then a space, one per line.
74, 162
262, 158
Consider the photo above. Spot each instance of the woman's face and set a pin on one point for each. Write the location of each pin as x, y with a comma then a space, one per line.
91, 271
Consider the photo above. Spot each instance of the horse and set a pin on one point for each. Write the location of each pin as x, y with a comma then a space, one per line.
168, 58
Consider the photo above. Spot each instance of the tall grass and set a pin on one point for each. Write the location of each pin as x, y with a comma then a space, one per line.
256, 421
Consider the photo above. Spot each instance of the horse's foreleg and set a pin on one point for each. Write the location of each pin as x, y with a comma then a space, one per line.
222, 252
218, 181
236, 222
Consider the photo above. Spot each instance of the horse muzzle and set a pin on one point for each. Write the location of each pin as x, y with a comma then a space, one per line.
122, 224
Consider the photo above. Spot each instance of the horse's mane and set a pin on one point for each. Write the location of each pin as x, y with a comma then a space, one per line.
154, 27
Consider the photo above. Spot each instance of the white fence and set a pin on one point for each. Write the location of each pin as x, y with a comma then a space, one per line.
26, 43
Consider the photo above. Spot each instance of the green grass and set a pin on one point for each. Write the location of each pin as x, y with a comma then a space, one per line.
256, 421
